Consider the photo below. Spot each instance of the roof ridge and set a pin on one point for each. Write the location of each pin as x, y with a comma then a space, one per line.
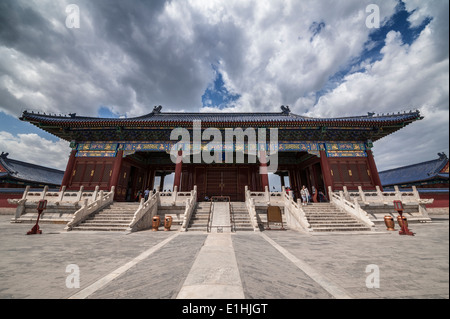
252, 114
34, 165
416, 164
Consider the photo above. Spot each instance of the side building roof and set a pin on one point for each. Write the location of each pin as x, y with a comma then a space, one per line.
420, 172
28, 173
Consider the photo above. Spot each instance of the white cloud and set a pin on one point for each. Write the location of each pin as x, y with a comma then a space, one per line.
129, 57
34, 149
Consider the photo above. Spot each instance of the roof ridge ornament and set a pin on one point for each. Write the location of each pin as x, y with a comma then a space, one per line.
4, 155
442, 156
157, 109
285, 110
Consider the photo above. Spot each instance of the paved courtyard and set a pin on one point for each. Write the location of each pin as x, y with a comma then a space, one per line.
266, 265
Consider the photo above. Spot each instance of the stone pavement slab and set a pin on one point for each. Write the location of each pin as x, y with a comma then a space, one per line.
215, 273
267, 274
408, 267
34, 266
161, 275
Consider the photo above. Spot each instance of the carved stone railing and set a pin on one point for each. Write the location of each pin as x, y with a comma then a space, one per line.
67, 199
175, 197
377, 202
143, 216
191, 202
386, 197
353, 209
250, 204
99, 202
295, 216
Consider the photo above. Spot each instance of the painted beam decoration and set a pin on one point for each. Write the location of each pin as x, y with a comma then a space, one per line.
332, 149
345, 149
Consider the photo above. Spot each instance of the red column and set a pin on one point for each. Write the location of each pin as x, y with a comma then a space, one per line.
326, 170
373, 169
263, 170
178, 165
69, 169
116, 170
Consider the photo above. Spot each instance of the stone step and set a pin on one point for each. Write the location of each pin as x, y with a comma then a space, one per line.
323, 212
320, 210
200, 217
327, 215
113, 212
242, 219
335, 221
198, 223
329, 229
315, 225
246, 228
197, 228
121, 208
131, 208
244, 222
124, 215
99, 228
103, 226
115, 217
107, 221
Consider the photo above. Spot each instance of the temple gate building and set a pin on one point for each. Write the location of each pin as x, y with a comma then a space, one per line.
130, 153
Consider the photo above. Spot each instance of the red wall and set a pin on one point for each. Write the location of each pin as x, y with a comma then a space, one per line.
4, 198
440, 200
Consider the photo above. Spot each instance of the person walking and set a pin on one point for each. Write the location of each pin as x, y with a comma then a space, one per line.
305, 195
146, 193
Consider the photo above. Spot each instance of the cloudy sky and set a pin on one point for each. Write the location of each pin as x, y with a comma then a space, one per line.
322, 58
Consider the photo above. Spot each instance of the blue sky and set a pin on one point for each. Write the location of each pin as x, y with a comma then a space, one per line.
318, 57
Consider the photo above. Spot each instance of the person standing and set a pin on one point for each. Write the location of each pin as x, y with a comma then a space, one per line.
146, 193
305, 195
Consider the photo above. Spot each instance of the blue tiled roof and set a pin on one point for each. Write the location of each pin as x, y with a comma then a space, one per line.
414, 173
82, 128
31, 173
219, 117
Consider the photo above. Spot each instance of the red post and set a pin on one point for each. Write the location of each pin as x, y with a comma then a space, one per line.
178, 166
116, 169
326, 170
373, 169
69, 169
41, 206
404, 228
263, 170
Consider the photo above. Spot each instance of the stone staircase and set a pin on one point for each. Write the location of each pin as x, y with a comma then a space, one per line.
325, 217
176, 212
199, 218
240, 217
116, 217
